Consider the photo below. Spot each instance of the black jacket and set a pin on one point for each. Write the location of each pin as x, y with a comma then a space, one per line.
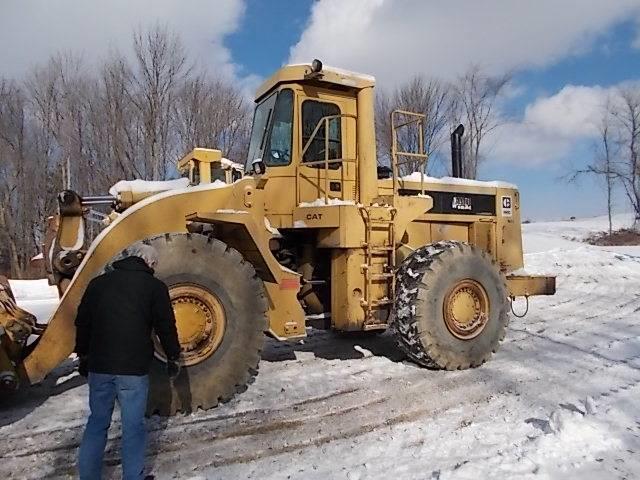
116, 317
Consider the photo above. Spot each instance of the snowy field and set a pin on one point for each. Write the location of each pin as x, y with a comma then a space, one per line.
558, 400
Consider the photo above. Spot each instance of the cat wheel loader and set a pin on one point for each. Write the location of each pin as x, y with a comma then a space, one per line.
312, 233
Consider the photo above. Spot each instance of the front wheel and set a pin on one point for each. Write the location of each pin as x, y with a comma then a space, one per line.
220, 307
451, 308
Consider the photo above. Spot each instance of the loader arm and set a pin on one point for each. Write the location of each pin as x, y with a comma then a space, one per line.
157, 215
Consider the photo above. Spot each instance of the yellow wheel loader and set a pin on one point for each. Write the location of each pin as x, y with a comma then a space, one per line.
310, 232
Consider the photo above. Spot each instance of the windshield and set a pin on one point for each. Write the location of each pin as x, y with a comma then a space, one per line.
271, 135
261, 119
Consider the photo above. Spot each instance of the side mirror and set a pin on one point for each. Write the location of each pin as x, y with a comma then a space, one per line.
258, 166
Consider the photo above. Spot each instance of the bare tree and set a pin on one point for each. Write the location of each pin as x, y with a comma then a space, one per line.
209, 111
161, 65
22, 180
428, 96
626, 112
605, 158
66, 126
604, 161
476, 95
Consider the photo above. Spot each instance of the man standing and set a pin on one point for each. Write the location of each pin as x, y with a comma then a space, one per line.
115, 320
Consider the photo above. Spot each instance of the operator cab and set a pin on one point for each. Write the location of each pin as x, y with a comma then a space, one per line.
304, 133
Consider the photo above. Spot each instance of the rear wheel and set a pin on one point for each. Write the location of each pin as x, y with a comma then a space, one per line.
220, 308
451, 307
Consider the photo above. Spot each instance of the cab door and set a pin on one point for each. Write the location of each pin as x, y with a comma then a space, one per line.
322, 139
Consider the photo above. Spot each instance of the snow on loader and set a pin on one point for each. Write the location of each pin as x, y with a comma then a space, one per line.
311, 234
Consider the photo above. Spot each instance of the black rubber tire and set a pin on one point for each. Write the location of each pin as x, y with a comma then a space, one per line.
422, 283
222, 270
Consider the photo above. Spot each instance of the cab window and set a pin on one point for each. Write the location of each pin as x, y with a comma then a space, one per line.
312, 112
277, 151
217, 173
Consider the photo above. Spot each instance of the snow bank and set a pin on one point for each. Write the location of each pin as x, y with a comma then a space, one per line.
320, 202
144, 186
415, 177
550, 236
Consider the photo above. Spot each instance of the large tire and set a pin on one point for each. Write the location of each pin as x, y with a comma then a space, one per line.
436, 283
213, 268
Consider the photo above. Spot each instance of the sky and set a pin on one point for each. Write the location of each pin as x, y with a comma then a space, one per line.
566, 56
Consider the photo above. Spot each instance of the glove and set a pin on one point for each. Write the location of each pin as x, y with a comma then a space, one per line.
83, 366
173, 369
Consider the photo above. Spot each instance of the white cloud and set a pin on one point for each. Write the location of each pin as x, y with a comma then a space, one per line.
551, 127
636, 41
32, 30
393, 39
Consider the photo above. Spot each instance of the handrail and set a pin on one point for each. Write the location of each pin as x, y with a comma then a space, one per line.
325, 120
415, 118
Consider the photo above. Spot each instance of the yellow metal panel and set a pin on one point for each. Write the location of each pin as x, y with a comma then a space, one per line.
367, 163
528, 285
280, 194
317, 217
483, 235
509, 230
446, 231
286, 317
205, 155
347, 288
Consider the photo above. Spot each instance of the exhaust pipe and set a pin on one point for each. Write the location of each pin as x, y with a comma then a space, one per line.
456, 151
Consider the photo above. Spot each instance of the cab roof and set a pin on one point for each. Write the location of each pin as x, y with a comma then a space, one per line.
299, 73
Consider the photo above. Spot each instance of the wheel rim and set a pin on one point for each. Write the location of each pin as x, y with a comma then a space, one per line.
200, 321
466, 309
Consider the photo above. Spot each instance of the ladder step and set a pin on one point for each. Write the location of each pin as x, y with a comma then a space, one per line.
381, 248
380, 303
379, 221
381, 276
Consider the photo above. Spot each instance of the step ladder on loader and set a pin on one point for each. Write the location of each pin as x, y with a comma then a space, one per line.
380, 243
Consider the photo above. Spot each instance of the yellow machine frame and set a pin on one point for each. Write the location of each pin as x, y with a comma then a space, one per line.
364, 225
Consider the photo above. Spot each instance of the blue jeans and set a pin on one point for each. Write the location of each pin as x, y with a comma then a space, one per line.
131, 392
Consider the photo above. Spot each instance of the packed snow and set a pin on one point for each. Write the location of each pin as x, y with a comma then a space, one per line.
145, 186
322, 202
415, 177
340, 71
231, 164
558, 400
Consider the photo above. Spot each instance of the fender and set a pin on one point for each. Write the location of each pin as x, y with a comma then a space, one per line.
162, 213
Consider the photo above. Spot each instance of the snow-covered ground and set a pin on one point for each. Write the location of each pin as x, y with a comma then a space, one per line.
558, 400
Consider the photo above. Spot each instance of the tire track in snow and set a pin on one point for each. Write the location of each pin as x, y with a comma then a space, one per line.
289, 429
